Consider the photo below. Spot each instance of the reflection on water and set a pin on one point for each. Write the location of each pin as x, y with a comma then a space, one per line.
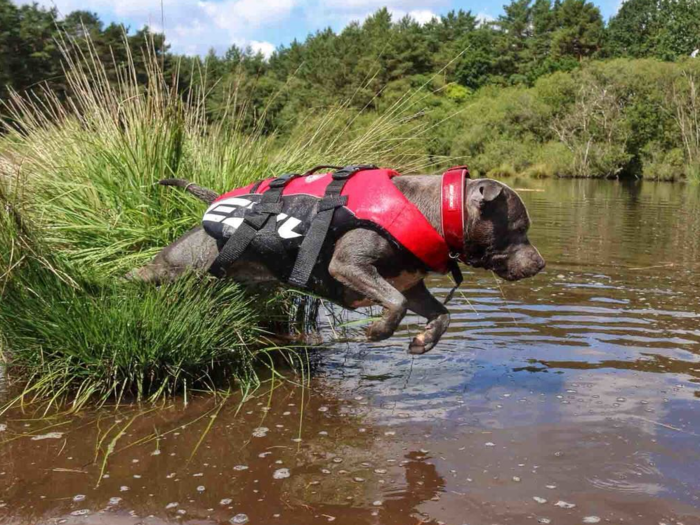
578, 387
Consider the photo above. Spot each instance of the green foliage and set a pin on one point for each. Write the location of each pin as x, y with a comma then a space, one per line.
67, 330
667, 29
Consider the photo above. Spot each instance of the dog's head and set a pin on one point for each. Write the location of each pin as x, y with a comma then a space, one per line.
496, 231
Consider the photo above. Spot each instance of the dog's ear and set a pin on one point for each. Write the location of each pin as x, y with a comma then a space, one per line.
490, 190
485, 191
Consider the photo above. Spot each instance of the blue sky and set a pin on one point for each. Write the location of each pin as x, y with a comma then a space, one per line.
195, 26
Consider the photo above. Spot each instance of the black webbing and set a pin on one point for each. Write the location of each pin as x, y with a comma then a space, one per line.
255, 187
254, 220
321, 167
312, 244
457, 276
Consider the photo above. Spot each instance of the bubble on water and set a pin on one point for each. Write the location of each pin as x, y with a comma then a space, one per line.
171, 475
337, 460
201, 488
564, 504
516, 479
198, 475
3, 428
591, 519
325, 471
114, 501
137, 476
226, 501
287, 413
281, 473
551, 486
378, 503
264, 454
239, 519
380, 470
544, 520
50, 435
260, 432
390, 433
296, 440
323, 433
172, 505
79, 497
489, 444
359, 479
182, 512
240, 467
155, 453
539, 500
323, 409
123, 488
82, 512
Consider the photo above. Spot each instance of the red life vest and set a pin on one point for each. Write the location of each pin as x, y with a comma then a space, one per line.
372, 198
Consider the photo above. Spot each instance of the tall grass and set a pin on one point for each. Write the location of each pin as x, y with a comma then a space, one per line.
81, 206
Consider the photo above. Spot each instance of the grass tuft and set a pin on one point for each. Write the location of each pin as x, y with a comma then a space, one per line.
70, 331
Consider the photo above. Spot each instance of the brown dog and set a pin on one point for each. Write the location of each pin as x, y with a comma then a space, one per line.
364, 268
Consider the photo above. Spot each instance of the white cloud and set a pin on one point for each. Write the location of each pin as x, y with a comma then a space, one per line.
483, 18
266, 48
193, 26
422, 16
373, 5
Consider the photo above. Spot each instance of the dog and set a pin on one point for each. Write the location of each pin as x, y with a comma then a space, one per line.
363, 267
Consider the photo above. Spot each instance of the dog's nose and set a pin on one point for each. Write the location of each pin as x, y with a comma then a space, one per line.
529, 262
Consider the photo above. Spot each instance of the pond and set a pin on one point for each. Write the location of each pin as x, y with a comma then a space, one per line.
573, 397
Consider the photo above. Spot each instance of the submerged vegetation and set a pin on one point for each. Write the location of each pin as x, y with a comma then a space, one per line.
80, 207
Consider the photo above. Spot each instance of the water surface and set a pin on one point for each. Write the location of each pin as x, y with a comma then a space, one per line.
573, 397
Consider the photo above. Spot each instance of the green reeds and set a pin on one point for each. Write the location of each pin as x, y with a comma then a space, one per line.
70, 332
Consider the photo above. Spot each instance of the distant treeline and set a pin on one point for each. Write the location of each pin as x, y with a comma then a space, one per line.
566, 65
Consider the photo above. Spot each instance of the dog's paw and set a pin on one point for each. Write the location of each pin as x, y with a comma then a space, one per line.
420, 345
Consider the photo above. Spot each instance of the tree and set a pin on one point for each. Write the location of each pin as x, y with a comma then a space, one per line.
580, 30
667, 29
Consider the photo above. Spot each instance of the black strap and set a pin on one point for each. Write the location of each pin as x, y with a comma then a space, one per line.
321, 167
457, 276
312, 244
254, 220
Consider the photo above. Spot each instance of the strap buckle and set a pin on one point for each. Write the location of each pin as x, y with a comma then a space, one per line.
321, 167
349, 171
282, 180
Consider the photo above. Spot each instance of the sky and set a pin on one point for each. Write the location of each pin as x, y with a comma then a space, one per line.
196, 26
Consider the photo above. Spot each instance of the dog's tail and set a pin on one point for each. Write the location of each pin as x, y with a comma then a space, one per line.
204, 194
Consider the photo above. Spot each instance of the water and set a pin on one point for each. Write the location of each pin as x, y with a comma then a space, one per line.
578, 387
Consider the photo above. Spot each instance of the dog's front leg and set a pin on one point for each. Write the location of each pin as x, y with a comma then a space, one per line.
353, 266
423, 303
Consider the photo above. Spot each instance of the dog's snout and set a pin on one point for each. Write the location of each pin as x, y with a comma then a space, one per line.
522, 263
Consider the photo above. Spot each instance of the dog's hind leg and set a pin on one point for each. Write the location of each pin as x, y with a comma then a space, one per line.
423, 303
195, 250
353, 265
